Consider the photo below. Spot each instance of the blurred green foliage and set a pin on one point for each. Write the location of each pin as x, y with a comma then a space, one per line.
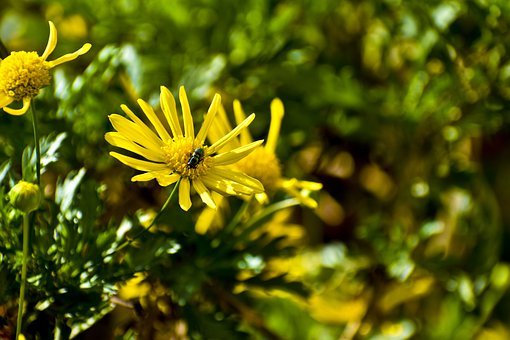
400, 108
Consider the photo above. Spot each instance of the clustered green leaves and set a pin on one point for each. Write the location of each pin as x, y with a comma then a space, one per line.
398, 107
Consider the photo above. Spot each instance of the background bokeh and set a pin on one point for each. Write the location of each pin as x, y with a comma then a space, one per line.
400, 109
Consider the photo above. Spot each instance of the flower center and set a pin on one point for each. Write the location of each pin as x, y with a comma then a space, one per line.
262, 165
23, 74
186, 159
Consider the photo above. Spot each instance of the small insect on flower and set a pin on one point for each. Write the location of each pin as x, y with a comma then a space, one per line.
196, 157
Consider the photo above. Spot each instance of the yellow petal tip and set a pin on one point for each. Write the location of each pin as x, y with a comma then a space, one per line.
277, 107
185, 207
86, 47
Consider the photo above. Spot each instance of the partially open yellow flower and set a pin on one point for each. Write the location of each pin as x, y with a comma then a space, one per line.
263, 164
23, 74
177, 154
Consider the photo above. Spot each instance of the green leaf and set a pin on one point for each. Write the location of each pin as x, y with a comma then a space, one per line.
66, 190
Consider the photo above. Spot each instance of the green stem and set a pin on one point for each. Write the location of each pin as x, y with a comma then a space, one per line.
4, 52
252, 224
268, 211
37, 145
128, 242
237, 218
23, 273
62, 330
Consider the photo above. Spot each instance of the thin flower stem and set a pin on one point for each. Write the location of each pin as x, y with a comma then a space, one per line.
128, 242
268, 211
254, 223
37, 145
290, 202
62, 330
237, 218
4, 52
21, 301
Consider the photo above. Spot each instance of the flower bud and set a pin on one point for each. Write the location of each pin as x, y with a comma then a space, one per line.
25, 196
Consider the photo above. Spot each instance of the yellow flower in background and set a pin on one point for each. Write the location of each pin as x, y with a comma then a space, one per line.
262, 163
177, 154
135, 287
23, 74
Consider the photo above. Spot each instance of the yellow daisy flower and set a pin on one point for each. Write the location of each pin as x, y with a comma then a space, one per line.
262, 163
23, 74
177, 154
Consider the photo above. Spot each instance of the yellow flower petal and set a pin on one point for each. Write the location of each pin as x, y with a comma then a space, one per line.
219, 128
184, 194
224, 123
204, 193
277, 111
19, 112
302, 197
186, 114
70, 56
149, 112
118, 140
293, 182
232, 134
169, 108
224, 186
209, 118
135, 132
238, 177
52, 41
137, 163
240, 116
148, 176
166, 180
5, 100
291, 186
313, 186
142, 126
209, 217
262, 198
236, 154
